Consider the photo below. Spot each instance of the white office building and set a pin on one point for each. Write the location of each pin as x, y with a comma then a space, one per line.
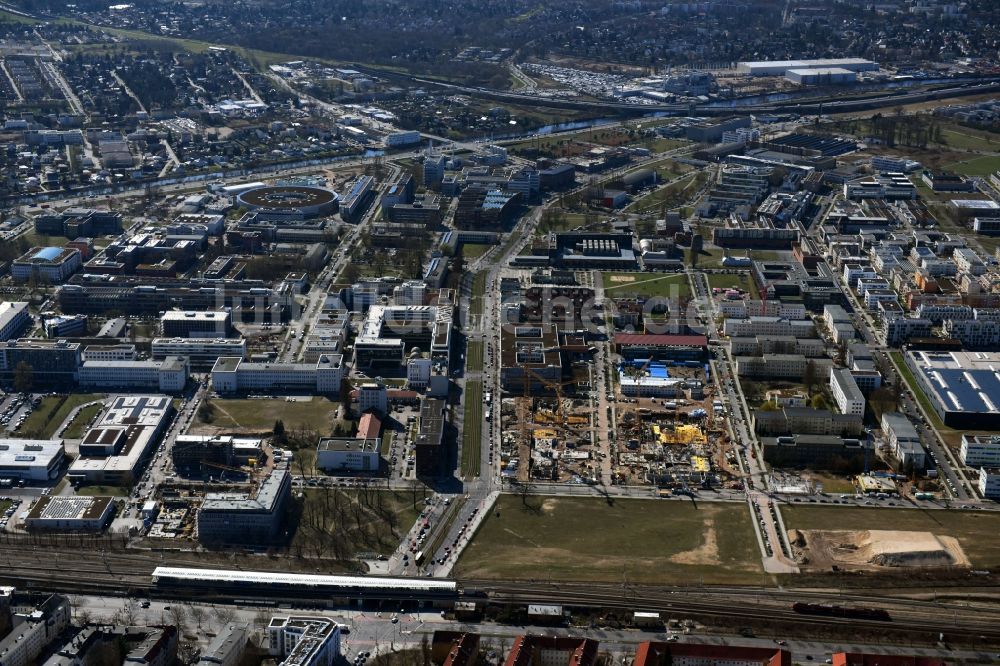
14, 319
348, 454
904, 440
31, 459
989, 482
846, 392
373, 396
980, 450
110, 353
234, 375
168, 376
304, 640
201, 353
192, 324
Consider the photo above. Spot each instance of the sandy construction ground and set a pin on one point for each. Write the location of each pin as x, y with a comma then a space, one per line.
875, 549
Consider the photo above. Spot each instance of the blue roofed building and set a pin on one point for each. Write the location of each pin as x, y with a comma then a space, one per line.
963, 387
52, 265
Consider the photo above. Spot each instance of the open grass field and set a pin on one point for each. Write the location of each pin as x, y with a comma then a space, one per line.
911, 381
738, 280
347, 524
671, 195
54, 409
259, 415
472, 251
478, 293
78, 426
975, 530
102, 491
966, 138
977, 166
586, 538
474, 355
472, 427
637, 285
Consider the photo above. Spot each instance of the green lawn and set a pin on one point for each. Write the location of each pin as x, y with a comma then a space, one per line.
590, 538
478, 293
472, 251
977, 166
114, 491
672, 195
911, 381
965, 138
474, 355
738, 280
83, 418
975, 530
472, 427
635, 285
346, 524
49, 415
259, 415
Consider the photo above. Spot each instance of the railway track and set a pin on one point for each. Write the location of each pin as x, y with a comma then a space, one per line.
130, 573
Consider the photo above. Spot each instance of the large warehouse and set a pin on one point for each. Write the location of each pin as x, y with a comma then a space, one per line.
781, 67
963, 387
70, 513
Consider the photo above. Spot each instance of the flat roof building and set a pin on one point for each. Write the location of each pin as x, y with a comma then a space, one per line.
781, 67
201, 353
52, 265
304, 640
963, 387
14, 319
234, 375
980, 450
429, 449
246, 518
125, 435
529, 355
70, 513
904, 439
191, 324
31, 459
816, 451
348, 454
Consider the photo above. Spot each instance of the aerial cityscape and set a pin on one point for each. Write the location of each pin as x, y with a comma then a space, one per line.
525, 333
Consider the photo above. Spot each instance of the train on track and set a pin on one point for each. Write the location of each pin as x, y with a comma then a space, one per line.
878, 614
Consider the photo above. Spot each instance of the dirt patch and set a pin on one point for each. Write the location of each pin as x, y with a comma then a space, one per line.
549, 505
622, 278
706, 553
873, 550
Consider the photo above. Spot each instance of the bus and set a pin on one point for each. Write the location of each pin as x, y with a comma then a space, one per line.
418, 559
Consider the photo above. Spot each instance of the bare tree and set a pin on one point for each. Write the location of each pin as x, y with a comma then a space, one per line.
178, 615
198, 614
224, 615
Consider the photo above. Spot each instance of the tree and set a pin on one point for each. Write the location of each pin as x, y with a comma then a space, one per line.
810, 376
818, 401
280, 437
206, 411
693, 258
24, 377
351, 273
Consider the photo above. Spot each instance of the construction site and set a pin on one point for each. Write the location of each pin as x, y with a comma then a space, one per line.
553, 431
205, 467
